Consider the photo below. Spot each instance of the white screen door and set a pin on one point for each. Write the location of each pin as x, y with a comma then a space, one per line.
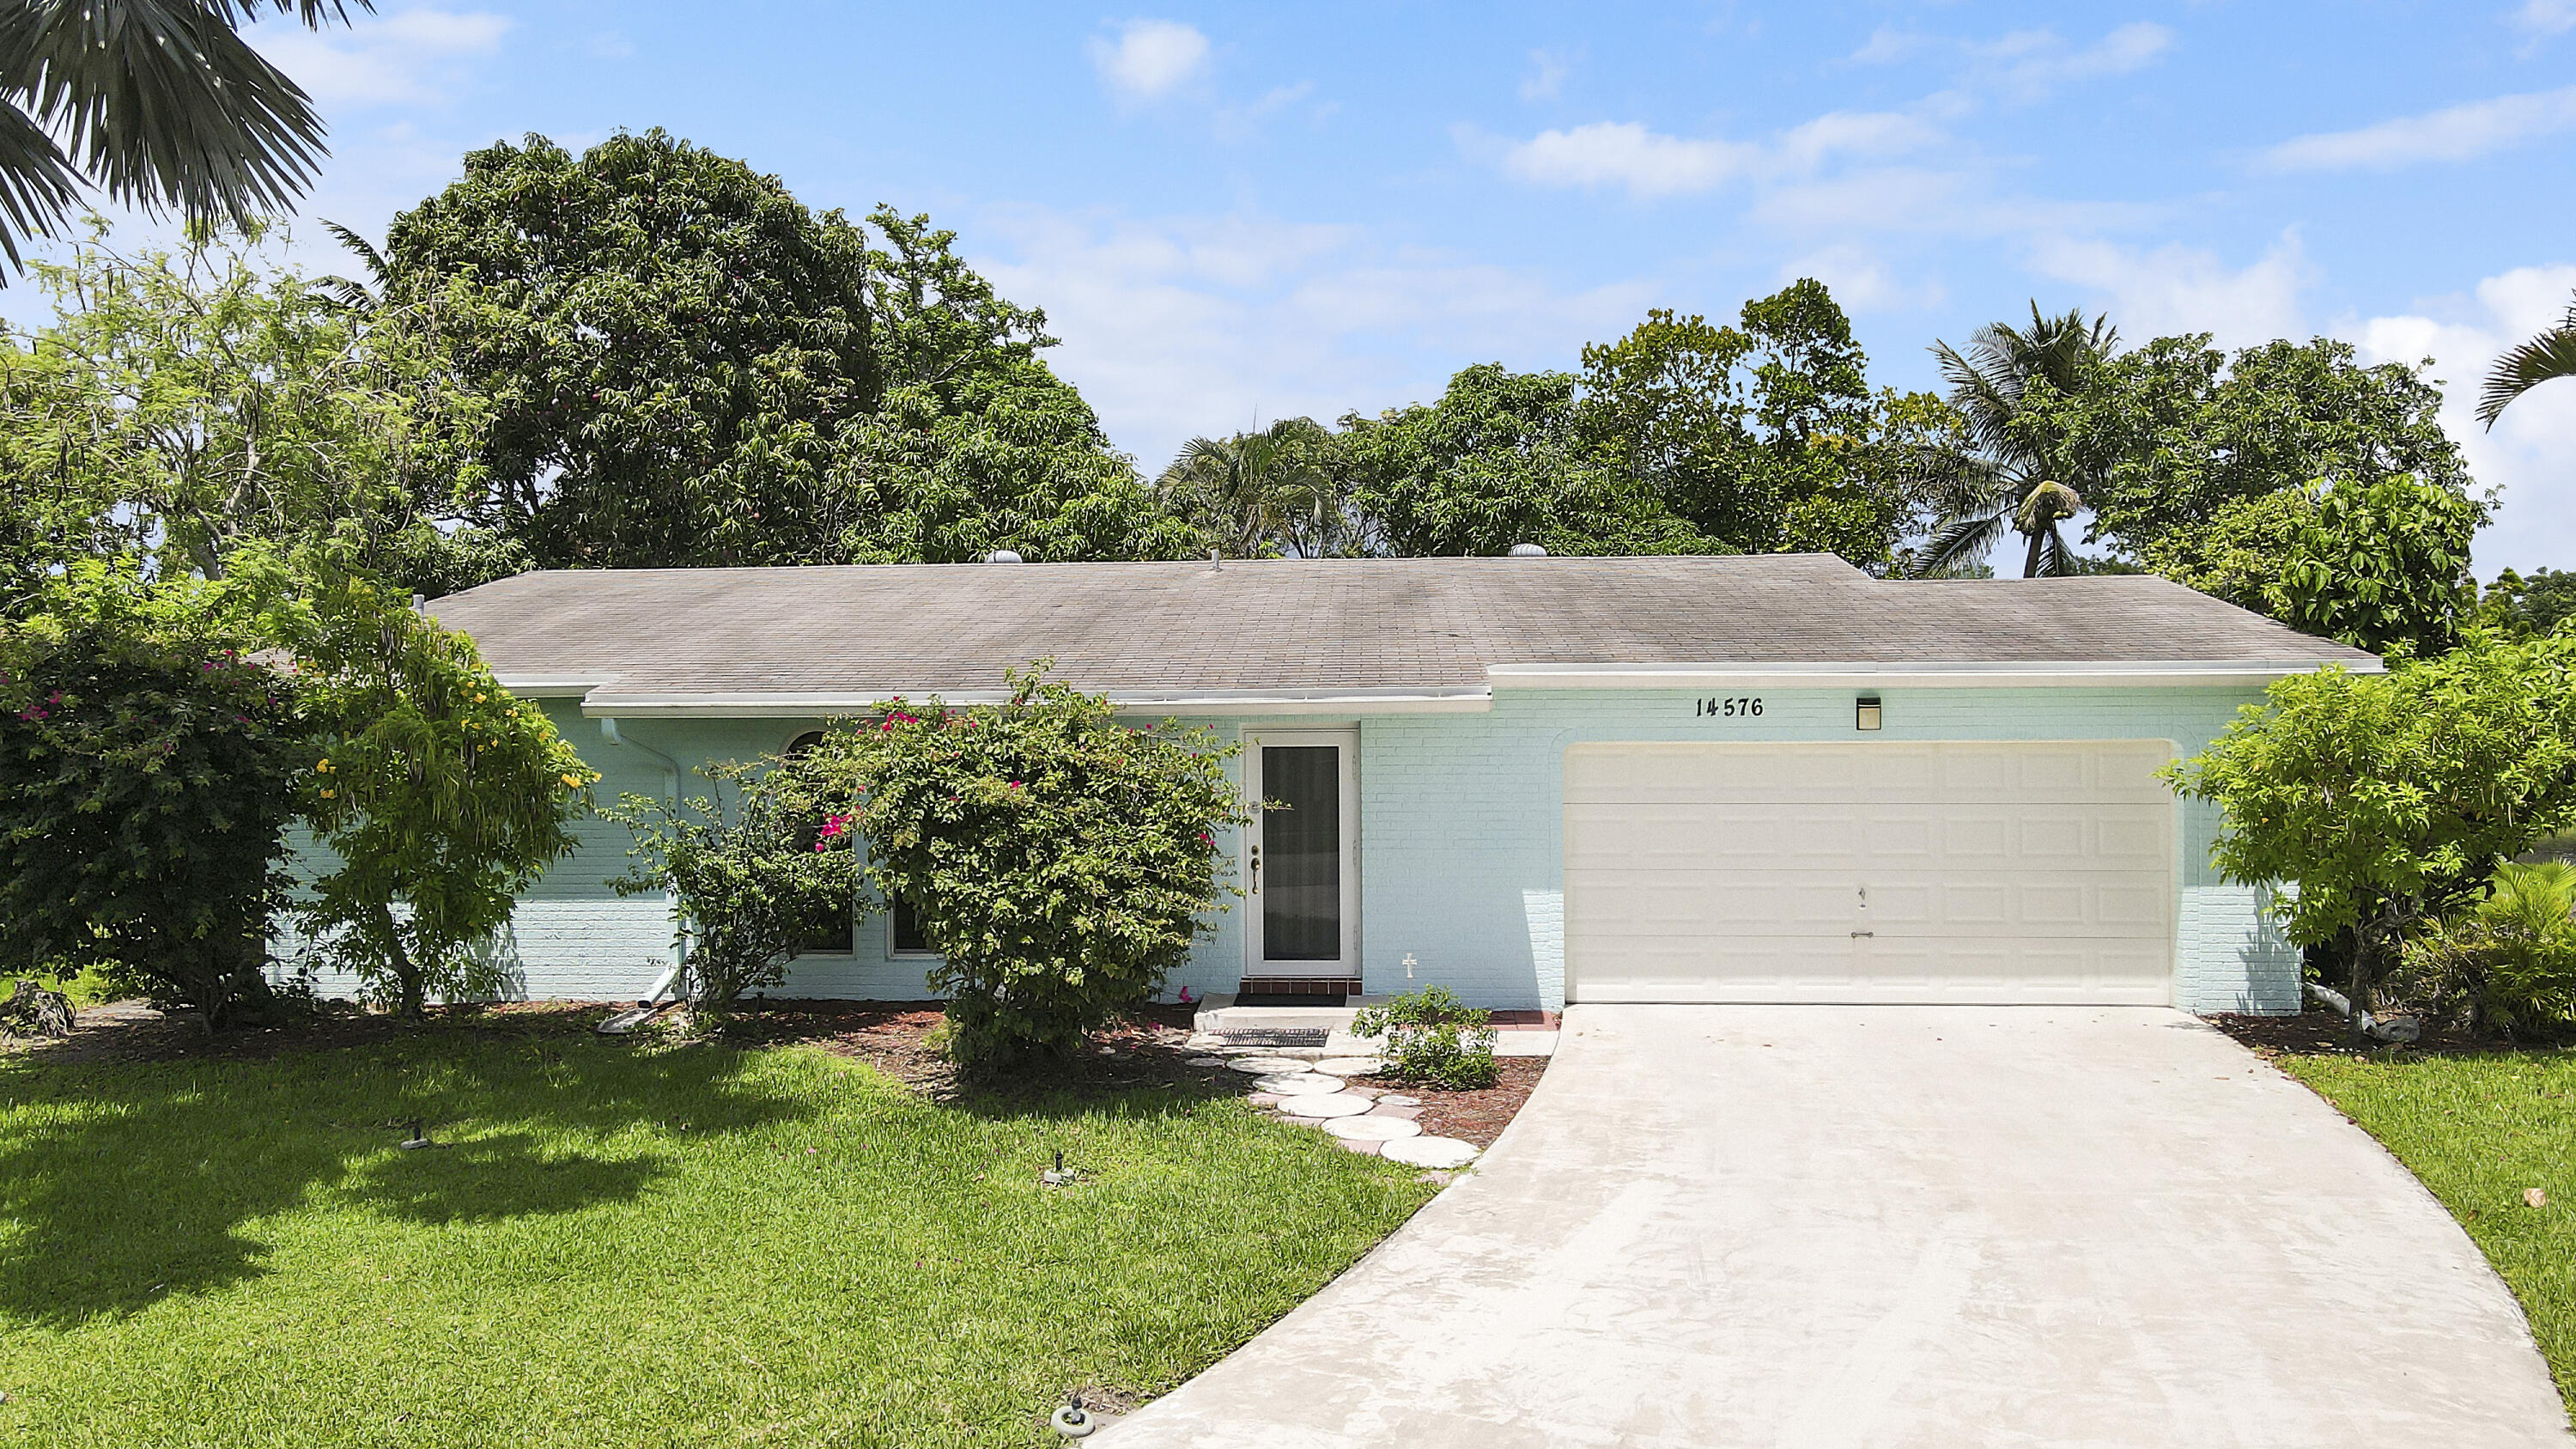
1302, 864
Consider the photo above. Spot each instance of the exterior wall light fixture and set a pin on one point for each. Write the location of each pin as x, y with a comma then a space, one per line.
1865, 712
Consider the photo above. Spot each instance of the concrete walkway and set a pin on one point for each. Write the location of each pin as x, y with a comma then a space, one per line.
1864, 1226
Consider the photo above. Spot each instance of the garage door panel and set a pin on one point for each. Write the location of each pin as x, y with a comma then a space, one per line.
1991, 872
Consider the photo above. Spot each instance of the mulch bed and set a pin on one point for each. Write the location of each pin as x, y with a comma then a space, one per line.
1476, 1117
131, 1031
2324, 1034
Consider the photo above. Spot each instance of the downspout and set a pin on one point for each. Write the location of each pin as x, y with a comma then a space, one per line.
670, 767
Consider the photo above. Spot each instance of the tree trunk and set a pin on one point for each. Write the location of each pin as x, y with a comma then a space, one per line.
406, 972
2030, 564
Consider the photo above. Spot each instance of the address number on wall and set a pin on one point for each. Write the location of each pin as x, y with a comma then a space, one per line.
1738, 706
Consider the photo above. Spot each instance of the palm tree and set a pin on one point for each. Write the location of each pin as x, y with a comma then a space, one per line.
2551, 354
1261, 493
2012, 478
157, 102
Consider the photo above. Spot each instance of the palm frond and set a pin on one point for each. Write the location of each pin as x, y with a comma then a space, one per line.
2550, 355
37, 182
349, 292
1966, 538
162, 104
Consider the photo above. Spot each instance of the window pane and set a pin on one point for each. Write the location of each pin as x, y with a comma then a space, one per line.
906, 927
1301, 853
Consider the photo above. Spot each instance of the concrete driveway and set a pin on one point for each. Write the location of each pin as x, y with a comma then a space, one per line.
1829, 1226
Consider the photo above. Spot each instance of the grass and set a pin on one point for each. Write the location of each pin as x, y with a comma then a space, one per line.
2479, 1130
619, 1246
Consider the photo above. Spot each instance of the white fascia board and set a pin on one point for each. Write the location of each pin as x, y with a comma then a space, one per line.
1927, 675
539, 686
1154, 702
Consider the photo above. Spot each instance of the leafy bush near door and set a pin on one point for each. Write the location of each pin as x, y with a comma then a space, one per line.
1059, 861
1431, 1036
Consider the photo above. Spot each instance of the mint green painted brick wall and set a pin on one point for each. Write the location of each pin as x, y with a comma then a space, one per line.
1461, 855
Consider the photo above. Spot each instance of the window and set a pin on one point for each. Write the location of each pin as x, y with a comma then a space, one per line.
830, 932
904, 936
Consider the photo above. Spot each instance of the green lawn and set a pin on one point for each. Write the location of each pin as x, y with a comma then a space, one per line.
2479, 1131
628, 1247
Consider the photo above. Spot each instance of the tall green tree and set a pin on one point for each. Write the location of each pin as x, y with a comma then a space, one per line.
2180, 430
2526, 365
183, 403
160, 103
1501, 458
2522, 605
1764, 435
655, 349
2024, 470
2381, 564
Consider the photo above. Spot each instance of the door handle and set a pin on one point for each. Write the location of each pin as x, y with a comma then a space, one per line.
1256, 870
1856, 935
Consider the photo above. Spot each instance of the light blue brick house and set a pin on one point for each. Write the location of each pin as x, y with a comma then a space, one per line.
1533, 780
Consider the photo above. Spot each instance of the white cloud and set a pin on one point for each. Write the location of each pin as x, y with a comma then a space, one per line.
1650, 164
2025, 65
1149, 59
2539, 18
1860, 280
2526, 453
2459, 133
2175, 289
1546, 80
1184, 325
407, 58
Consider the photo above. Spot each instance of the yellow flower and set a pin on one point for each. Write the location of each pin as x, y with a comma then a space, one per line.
478, 699
326, 794
572, 781
323, 768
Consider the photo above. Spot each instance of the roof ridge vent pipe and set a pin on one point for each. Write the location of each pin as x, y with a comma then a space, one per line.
1003, 555
1527, 550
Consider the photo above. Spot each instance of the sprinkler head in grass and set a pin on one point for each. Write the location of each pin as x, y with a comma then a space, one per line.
1074, 1421
419, 1137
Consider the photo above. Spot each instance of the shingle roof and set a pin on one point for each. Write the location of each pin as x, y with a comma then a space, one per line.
1139, 629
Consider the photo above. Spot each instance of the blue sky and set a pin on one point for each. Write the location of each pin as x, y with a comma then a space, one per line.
1236, 213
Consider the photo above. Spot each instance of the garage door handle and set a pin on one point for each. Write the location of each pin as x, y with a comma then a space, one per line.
1856, 935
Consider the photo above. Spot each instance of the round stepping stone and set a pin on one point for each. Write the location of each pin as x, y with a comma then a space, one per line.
1207, 1061
1425, 1151
1398, 1099
1303, 1084
1338, 1104
1349, 1066
1267, 1066
1371, 1128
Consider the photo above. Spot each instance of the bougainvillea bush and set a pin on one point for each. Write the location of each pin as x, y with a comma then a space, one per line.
1060, 861
149, 765
751, 868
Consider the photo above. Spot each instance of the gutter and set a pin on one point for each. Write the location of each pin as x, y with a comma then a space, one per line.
1470, 700
2079, 674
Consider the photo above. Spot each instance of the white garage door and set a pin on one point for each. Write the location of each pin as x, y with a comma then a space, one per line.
1869, 872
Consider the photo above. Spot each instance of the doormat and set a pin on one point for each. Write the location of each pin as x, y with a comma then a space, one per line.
1288, 998
1278, 1036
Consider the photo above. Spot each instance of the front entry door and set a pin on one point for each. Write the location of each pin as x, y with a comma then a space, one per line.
1303, 857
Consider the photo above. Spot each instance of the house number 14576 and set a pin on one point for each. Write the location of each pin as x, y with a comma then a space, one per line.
1733, 708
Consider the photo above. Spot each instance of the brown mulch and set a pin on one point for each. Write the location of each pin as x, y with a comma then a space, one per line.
1476, 1117
2323, 1033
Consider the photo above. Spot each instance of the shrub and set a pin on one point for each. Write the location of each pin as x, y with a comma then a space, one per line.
2508, 963
750, 871
438, 796
147, 774
1060, 862
2389, 799
1431, 1036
